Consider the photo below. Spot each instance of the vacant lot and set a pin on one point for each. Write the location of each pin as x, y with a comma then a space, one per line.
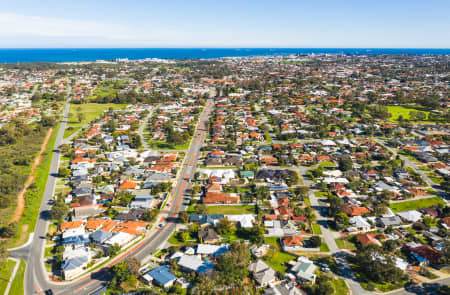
403, 111
415, 204
240, 209
90, 111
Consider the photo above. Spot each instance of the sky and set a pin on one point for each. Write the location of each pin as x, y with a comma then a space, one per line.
226, 23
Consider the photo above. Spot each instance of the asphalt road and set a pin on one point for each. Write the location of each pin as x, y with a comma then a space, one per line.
35, 276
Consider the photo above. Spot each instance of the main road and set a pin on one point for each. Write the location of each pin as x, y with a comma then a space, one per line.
36, 280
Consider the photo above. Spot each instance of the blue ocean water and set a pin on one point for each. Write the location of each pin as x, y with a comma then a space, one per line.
92, 54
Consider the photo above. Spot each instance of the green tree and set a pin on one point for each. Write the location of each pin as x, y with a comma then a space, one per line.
184, 216
377, 265
224, 226
315, 241
59, 210
345, 164
113, 250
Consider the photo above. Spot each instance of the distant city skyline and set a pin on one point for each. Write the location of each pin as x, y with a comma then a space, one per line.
207, 24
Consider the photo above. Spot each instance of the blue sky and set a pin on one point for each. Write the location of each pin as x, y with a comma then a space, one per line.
213, 23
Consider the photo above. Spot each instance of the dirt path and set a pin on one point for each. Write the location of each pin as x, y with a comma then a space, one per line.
18, 212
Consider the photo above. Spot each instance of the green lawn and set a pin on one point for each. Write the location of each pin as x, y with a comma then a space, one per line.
340, 287
327, 164
90, 112
316, 229
175, 241
273, 241
239, 209
403, 111
267, 136
415, 204
324, 247
345, 244
17, 285
5, 274
278, 262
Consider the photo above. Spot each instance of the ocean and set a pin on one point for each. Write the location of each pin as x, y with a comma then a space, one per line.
21, 55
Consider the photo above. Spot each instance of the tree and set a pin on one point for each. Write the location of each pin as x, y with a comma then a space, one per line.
48, 121
9, 230
342, 218
59, 210
201, 209
224, 226
322, 286
133, 265
345, 164
150, 215
377, 265
315, 241
336, 205
113, 250
255, 234
233, 265
63, 172
184, 216
122, 274
80, 117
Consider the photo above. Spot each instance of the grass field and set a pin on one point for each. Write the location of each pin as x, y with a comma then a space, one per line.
340, 287
5, 274
403, 111
17, 285
415, 204
240, 209
345, 244
90, 112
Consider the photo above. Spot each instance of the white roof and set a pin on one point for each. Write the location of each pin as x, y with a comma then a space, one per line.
78, 252
359, 222
333, 173
245, 220
335, 179
411, 215
73, 232
120, 238
328, 142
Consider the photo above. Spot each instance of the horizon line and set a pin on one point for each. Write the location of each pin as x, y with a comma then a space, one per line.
212, 47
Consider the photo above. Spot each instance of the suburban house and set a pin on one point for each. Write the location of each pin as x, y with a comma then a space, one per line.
262, 273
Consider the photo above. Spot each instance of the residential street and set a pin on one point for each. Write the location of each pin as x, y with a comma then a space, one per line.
36, 280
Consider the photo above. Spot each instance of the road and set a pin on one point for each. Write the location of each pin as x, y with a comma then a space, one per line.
36, 280
33, 253
340, 255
